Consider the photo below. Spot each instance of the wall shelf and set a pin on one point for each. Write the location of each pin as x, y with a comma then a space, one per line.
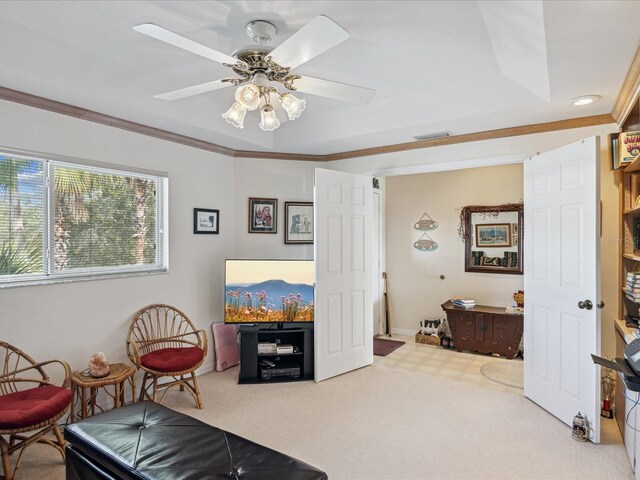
634, 166
632, 211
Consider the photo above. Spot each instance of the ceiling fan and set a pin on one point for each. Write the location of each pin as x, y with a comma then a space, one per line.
259, 67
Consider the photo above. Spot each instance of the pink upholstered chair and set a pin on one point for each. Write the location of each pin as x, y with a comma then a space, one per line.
163, 342
29, 402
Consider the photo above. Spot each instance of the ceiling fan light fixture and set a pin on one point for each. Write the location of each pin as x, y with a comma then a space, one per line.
235, 115
268, 119
293, 105
248, 96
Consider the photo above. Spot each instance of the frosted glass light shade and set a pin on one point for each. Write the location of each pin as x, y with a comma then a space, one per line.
268, 119
294, 106
248, 96
235, 115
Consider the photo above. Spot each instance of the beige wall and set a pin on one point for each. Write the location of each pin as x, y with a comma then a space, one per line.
414, 276
493, 152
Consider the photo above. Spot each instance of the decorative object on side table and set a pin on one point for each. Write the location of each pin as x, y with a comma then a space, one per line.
519, 298
98, 365
263, 215
206, 220
298, 222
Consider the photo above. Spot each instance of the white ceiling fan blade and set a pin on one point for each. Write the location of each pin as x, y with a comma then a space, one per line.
164, 35
315, 38
336, 90
194, 90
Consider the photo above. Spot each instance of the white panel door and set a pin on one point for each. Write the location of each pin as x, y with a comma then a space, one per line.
562, 273
343, 219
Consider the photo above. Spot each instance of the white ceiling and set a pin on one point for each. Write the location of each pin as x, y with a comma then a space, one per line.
437, 66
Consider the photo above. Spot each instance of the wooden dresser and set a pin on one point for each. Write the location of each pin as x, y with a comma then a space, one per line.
484, 329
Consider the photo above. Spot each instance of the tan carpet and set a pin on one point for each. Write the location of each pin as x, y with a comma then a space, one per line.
509, 374
422, 412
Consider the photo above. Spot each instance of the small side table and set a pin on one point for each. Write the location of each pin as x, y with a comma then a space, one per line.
85, 389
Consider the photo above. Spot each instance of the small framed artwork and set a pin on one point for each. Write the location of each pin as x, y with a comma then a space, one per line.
206, 220
493, 235
263, 215
298, 222
514, 234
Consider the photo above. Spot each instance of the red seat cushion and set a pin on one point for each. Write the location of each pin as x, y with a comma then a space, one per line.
32, 406
172, 359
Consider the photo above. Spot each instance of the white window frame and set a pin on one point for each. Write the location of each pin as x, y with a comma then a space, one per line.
49, 275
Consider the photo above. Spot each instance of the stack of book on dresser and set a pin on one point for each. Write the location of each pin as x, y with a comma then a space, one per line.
463, 302
633, 287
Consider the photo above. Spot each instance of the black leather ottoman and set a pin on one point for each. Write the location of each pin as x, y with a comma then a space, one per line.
148, 441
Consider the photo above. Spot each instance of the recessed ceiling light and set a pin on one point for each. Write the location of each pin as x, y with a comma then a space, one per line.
585, 100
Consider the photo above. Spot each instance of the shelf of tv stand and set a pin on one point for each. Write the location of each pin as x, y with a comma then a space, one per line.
260, 355
629, 256
250, 368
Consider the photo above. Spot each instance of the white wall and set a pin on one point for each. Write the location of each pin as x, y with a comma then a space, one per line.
286, 180
416, 290
73, 320
514, 150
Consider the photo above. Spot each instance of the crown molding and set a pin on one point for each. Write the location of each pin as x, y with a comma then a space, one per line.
478, 136
101, 118
97, 117
629, 92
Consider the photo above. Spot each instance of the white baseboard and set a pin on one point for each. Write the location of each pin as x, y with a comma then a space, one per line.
403, 331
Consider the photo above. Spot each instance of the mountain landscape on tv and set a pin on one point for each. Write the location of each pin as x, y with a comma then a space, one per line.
269, 301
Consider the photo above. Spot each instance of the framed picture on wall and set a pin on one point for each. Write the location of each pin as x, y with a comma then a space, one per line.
263, 215
493, 234
206, 220
298, 222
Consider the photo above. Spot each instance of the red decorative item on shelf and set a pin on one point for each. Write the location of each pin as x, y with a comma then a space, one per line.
519, 298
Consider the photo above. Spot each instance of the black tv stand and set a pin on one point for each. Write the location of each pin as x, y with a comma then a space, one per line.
273, 367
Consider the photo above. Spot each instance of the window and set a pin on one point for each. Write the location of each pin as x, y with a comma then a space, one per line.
61, 220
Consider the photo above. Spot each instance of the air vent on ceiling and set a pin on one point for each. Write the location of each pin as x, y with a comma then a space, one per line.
433, 136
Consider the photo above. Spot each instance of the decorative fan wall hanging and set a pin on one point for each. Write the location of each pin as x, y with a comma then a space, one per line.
260, 69
425, 223
425, 244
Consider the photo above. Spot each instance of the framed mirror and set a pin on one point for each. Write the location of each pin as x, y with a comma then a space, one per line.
493, 238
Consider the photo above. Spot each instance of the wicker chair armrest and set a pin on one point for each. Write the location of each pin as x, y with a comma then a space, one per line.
204, 341
135, 355
11, 376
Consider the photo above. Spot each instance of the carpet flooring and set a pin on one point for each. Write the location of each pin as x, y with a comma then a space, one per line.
382, 348
422, 412
509, 374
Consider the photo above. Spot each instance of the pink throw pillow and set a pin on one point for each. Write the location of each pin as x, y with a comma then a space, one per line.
225, 346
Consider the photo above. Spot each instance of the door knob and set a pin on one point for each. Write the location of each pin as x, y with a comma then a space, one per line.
586, 305
600, 305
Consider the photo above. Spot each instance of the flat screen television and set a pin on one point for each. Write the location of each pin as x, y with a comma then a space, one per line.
268, 291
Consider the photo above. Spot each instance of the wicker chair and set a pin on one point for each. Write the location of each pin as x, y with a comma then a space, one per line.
163, 342
29, 402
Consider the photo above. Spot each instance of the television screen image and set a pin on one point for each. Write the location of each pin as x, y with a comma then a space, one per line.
268, 291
